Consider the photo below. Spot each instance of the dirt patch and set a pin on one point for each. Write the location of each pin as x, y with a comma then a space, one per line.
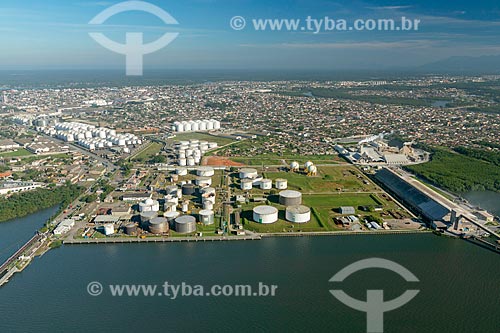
220, 161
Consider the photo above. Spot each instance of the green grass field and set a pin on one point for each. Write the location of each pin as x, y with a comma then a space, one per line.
148, 153
328, 180
18, 153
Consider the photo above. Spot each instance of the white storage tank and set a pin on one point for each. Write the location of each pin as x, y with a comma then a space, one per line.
207, 204
203, 181
248, 173
246, 184
205, 171
207, 217
265, 214
281, 184
294, 166
298, 214
109, 229
266, 184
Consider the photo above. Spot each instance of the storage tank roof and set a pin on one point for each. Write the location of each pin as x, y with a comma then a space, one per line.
299, 209
265, 210
290, 194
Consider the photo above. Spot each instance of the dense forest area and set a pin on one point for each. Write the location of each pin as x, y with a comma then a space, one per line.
474, 170
26, 203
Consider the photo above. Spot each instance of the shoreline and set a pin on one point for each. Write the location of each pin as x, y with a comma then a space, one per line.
125, 240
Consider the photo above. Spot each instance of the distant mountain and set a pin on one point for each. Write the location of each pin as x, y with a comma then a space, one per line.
482, 64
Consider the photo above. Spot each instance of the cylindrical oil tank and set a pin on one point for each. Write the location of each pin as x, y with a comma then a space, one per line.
171, 190
290, 198
248, 173
208, 205
146, 217
182, 161
131, 229
188, 189
158, 225
171, 216
266, 184
190, 161
281, 184
203, 181
170, 207
205, 171
185, 206
207, 217
172, 199
149, 205
185, 224
265, 214
246, 184
109, 229
298, 214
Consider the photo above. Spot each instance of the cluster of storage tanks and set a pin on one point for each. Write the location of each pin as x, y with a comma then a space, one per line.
190, 152
180, 221
294, 212
250, 178
90, 137
309, 168
196, 126
269, 214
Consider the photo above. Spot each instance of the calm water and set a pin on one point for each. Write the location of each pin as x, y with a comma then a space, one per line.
459, 286
485, 199
14, 233
440, 104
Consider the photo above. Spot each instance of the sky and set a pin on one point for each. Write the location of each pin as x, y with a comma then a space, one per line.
54, 34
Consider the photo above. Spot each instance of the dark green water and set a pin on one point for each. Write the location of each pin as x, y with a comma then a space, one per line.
486, 200
459, 283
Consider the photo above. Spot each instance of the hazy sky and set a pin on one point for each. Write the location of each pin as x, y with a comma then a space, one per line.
49, 34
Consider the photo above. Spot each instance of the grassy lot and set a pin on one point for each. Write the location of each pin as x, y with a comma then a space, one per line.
18, 153
275, 159
148, 153
328, 180
202, 136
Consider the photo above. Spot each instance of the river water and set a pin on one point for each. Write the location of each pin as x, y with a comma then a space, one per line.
459, 286
486, 200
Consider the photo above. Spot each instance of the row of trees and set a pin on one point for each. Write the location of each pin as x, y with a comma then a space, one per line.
26, 203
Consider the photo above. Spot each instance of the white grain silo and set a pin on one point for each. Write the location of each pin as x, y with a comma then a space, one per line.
180, 127
217, 124
210, 125
187, 127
